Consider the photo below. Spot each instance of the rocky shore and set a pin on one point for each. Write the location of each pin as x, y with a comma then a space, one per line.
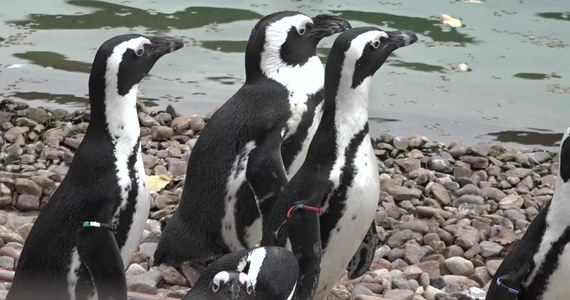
447, 214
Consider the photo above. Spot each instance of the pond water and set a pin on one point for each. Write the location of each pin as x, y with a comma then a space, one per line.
516, 89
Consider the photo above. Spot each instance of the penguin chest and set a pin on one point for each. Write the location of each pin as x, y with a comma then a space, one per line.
235, 180
557, 285
357, 210
133, 210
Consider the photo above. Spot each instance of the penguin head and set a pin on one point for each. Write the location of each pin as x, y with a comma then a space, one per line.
287, 38
360, 52
124, 60
232, 285
564, 171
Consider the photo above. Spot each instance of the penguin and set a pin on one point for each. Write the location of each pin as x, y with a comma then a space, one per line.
538, 266
241, 161
260, 273
85, 236
337, 188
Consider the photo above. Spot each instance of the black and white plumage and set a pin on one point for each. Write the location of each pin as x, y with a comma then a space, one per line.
261, 273
538, 267
253, 142
340, 172
106, 184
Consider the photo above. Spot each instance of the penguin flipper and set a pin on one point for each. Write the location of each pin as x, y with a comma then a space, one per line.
266, 173
515, 267
99, 252
362, 258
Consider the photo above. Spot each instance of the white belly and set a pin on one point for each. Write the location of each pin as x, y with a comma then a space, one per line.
361, 203
235, 180
558, 287
142, 209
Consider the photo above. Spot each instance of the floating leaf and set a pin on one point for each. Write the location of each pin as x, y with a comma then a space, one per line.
451, 21
158, 182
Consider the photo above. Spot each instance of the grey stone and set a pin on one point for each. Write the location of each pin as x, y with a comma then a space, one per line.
400, 143
439, 193
397, 294
476, 162
8, 235
7, 263
27, 186
145, 282
12, 134
401, 193
408, 164
511, 201
471, 199
160, 133
37, 114
147, 121
171, 276
197, 123
492, 193
480, 149
439, 164
490, 248
519, 173
28, 202
176, 166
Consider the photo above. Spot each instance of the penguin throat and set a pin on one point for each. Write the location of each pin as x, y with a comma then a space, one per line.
351, 107
121, 116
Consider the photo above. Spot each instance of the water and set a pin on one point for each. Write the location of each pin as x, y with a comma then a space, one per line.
516, 90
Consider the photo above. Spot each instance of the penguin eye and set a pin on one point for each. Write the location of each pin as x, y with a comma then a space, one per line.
139, 52
301, 30
215, 287
249, 289
376, 44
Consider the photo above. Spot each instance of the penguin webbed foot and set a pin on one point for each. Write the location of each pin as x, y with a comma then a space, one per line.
99, 252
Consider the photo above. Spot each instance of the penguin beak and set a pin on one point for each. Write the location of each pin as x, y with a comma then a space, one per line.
327, 25
398, 39
162, 45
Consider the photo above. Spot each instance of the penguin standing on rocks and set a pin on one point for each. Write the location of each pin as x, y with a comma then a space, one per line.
260, 273
538, 267
240, 162
335, 193
83, 239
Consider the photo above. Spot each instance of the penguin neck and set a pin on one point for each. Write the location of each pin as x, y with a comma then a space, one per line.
347, 110
114, 114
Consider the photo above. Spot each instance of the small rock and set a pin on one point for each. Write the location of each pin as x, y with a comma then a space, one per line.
172, 277
37, 114
439, 164
13, 133
397, 294
28, 202
439, 193
26, 186
161, 133
492, 265
197, 123
476, 162
400, 143
6, 263
408, 164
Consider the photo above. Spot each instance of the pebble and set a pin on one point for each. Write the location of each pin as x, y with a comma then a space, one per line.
458, 265
446, 214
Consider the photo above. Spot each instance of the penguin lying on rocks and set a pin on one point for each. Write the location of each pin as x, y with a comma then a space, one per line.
538, 266
260, 273
331, 201
252, 142
83, 239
